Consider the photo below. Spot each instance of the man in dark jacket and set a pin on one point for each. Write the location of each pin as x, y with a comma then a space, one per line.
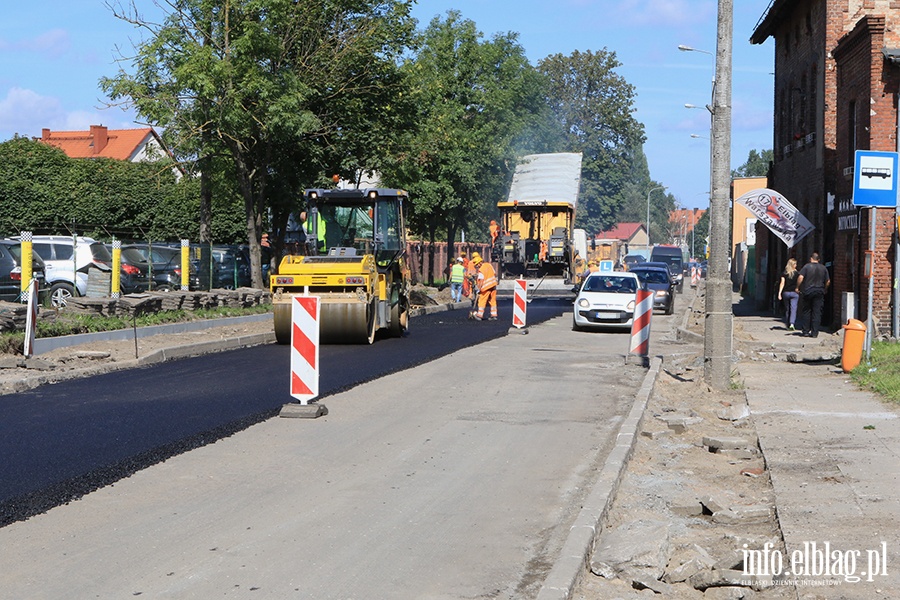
813, 282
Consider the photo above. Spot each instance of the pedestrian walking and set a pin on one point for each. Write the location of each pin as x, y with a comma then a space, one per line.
487, 288
788, 294
813, 282
457, 277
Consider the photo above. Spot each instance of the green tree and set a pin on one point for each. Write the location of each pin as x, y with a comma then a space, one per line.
700, 237
595, 106
757, 164
474, 99
268, 86
45, 191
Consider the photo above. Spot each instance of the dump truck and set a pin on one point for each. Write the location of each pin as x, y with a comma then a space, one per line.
355, 262
538, 217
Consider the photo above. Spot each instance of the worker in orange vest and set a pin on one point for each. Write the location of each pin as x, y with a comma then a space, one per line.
543, 255
495, 231
469, 281
487, 288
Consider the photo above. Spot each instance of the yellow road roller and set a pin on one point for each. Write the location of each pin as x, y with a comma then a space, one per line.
355, 262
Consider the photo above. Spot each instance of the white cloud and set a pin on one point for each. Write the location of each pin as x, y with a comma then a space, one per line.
52, 44
25, 112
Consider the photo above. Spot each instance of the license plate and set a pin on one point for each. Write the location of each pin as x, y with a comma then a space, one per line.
607, 316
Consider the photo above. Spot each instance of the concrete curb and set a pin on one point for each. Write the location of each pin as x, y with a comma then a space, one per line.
574, 559
43, 345
197, 349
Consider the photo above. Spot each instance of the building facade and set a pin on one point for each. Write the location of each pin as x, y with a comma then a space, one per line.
835, 92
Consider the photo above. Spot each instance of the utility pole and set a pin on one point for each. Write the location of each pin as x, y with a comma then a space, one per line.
719, 324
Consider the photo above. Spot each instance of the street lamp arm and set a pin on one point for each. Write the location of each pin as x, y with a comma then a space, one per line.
661, 187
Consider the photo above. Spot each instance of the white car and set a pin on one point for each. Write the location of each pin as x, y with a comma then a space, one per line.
67, 261
606, 300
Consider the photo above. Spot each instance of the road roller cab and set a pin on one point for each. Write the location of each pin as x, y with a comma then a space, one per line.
355, 263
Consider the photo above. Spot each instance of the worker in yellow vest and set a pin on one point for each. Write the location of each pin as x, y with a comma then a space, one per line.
457, 277
487, 288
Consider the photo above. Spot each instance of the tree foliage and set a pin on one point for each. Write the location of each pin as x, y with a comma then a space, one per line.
472, 100
45, 191
594, 106
285, 90
757, 164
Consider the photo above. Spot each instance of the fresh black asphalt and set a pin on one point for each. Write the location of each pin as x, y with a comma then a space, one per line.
62, 441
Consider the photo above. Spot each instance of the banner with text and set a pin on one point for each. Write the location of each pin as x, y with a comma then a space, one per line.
775, 212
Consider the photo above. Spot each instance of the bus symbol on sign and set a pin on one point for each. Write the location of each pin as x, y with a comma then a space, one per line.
874, 179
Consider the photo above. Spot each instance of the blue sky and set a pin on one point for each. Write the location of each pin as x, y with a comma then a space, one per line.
52, 55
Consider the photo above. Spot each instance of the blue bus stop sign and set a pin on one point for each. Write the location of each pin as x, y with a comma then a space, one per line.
875, 179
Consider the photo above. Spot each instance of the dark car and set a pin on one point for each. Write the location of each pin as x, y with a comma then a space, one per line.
667, 267
631, 260
672, 256
162, 264
133, 272
230, 267
659, 281
11, 271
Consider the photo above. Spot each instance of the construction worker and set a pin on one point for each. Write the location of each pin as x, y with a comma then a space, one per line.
543, 255
471, 276
457, 277
579, 267
487, 288
593, 267
495, 231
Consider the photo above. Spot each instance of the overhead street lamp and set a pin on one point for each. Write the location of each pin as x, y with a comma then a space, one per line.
684, 48
662, 187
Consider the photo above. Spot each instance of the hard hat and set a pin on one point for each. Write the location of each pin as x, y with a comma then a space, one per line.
476, 256
476, 259
459, 259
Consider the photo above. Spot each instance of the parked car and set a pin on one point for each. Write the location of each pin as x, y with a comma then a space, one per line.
230, 267
658, 280
67, 262
133, 272
606, 300
163, 265
11, 271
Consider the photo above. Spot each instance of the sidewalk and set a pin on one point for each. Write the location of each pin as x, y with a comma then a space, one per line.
833, 453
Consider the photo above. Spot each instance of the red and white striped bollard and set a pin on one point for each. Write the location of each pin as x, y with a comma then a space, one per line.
519, 304
640, 325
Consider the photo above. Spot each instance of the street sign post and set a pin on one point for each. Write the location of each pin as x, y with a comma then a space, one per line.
875, 179
874, 186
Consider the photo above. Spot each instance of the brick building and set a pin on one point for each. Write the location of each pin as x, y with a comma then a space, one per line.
835, 92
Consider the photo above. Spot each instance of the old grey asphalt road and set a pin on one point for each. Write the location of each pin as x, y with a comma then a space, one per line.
456, 479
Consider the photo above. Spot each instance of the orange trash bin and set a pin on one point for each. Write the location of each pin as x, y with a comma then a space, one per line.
854, 340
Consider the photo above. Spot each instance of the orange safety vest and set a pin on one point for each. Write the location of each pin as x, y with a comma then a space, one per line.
495, 231
487, 278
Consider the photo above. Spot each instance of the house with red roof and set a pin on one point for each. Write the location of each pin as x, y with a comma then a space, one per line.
633, 234
132, 145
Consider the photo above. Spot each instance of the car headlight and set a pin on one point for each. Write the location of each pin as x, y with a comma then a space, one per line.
630, 305
583, 303
661, 293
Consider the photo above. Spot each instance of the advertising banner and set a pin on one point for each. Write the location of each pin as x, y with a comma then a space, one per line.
775, 212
